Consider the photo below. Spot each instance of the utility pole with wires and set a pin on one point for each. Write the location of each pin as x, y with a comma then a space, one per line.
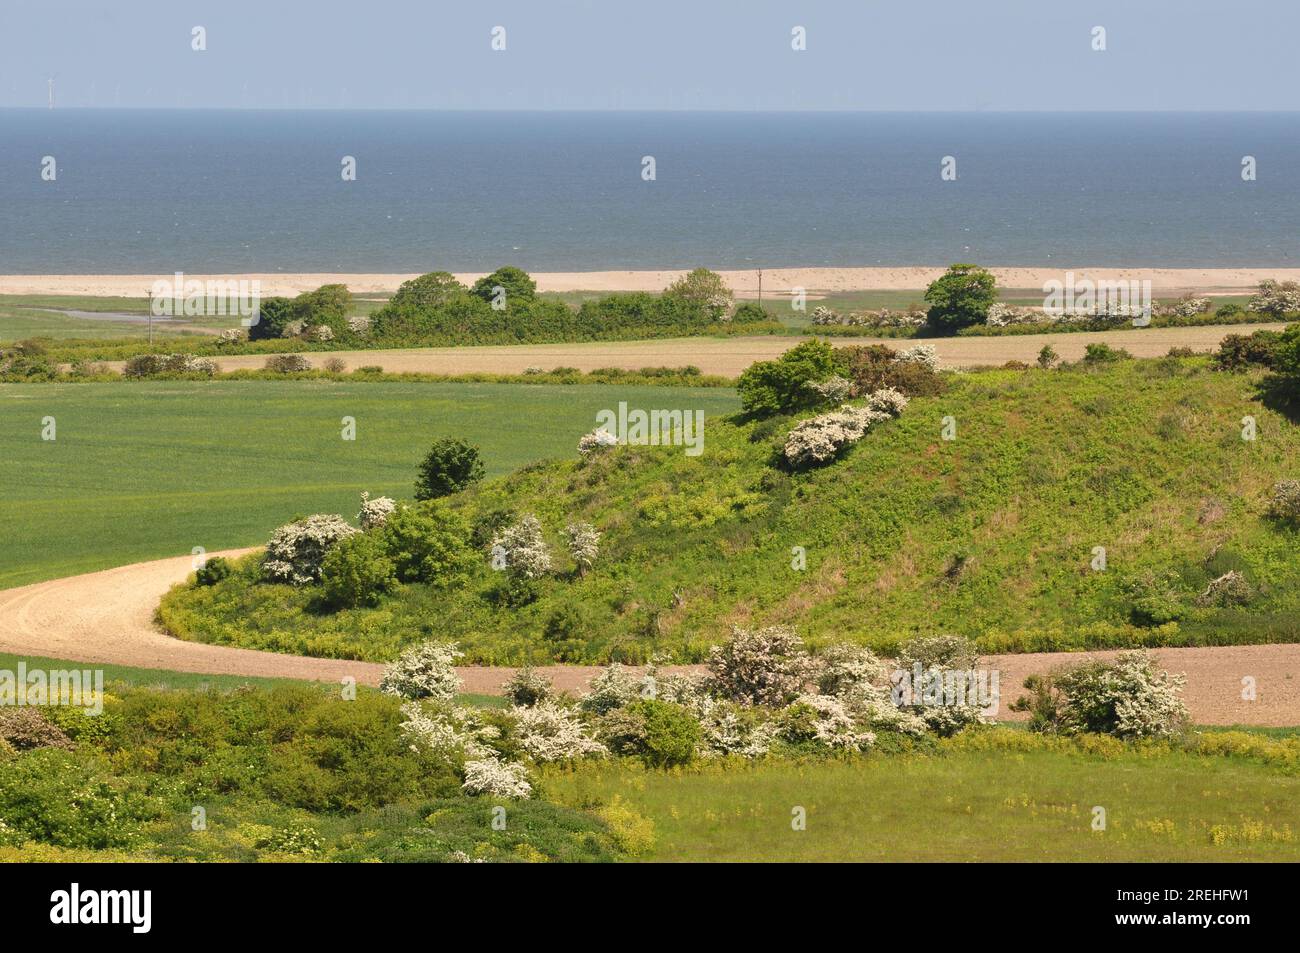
51, 86
760, 287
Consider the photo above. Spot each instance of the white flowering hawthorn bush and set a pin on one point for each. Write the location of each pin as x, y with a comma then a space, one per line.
375, 513
1188, 306
826, 721
924, 354
766, 666
845, 670
295, 552
598, 439
451, 735
426, 670
1130, 697
322, 333
888, 400
523, 549
728, 729
550, 732
495, 778
612, 687
884, 318
820, 439
1000, 315
584, 545
1276, 297
527, 687
833, 390
231, 336
359, 325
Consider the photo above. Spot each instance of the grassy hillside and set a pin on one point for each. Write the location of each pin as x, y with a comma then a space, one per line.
992, 535
147, 470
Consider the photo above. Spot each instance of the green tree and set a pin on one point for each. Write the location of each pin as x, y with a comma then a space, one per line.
328, 305
273, 315
770, 387
449, 467
961, 297
703, 289
517, 284
428, 291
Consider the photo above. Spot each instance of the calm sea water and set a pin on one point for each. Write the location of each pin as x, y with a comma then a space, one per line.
158, 191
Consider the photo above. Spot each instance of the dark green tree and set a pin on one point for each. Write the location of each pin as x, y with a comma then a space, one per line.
450, 466
960, 297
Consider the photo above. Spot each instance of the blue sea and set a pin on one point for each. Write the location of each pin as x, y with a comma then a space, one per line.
249, 191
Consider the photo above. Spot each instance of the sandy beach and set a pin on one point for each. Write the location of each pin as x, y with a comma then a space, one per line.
776, 281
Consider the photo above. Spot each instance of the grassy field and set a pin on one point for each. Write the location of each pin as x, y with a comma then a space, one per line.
991, 535
964, 804
142, 471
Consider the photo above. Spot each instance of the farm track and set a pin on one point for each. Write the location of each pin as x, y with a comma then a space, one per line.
107, 618
729, 356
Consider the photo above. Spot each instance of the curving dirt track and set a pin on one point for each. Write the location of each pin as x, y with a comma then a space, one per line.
729, 356
107, 617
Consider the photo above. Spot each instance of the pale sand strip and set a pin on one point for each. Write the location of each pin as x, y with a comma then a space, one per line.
1164, 281
730, 356
107, 618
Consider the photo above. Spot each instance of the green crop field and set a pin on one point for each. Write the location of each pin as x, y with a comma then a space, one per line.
146, 470
977, 799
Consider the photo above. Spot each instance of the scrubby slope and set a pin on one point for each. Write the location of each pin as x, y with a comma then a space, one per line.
993, 534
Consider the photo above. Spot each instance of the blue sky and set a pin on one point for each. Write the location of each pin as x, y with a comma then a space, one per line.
655, 54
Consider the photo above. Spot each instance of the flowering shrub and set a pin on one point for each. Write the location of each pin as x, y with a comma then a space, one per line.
295, 839
322, 333
817, 440
23, 729
295, 552
523, 549
1188, 306
584, 545
760, 666
728, 729
527, 688
884, 318
845, 670
151, 365
1129, 697
231, 336
598, 439
1276, 298
1001, 315
287, 363
1284, 506
888, 400
359, 325
825, 721
450, 735
426, 670
924, 354
549, 732
496, 779
833, 390
609, 689
375, 512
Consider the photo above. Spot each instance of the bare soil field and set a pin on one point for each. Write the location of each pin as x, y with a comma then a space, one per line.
729, 356
107, 617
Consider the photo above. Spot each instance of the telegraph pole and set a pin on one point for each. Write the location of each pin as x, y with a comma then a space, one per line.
760, 287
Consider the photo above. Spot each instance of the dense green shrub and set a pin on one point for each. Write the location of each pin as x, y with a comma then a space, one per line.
702, 289
357, 572
750, 311
669, 734
60, 798
1240, 351
212, 571
287, 363
771, 387
429, 543
959, 298
1102, 353
450, 466
327, 306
